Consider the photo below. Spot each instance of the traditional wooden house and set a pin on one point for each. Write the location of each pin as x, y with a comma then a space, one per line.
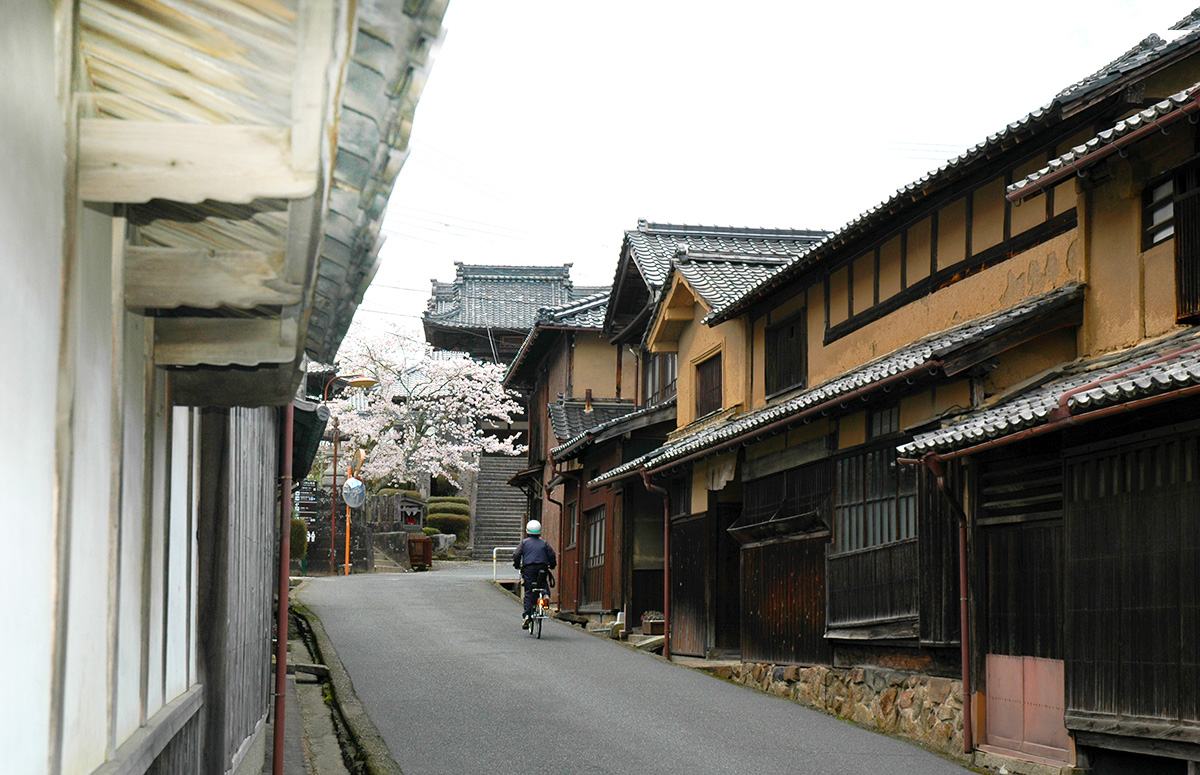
571, 376
488, 311
193, 209
950, 301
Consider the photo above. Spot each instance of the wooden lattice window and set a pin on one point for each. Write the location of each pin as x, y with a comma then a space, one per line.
595, 537
572, 523
1187, 256
786, 361
708, 386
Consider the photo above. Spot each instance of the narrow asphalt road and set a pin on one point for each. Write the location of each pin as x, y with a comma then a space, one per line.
455, 686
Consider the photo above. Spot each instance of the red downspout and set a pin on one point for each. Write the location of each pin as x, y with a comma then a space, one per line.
281, 619
666, 500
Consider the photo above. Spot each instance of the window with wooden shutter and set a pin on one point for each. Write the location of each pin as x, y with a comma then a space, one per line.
786, 355
1187, 256
708, 386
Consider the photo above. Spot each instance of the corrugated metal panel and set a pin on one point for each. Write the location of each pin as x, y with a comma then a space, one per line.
783, 602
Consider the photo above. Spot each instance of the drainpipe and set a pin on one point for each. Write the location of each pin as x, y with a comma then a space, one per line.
281, 620
666, 501
939, 476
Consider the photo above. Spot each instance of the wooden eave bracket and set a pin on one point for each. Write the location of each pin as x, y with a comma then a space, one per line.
224, 341
166, 278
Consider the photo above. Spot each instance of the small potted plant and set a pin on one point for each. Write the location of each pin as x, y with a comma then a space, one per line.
653, 623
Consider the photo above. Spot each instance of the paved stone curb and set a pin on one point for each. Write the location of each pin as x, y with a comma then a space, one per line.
377, 757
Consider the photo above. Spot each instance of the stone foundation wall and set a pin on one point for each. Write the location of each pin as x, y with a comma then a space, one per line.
920, 707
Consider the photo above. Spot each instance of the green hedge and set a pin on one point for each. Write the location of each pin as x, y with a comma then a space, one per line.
460, 509
430, 531
458, 524
299, 543
448, 499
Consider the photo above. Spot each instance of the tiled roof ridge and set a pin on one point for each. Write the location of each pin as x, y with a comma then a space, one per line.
1117, 131
575, 305
1145, 44
697, 256
1189, 22
540, 270
746, 232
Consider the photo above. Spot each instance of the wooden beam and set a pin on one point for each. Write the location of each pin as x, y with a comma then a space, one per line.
224, 341
136, 161
165, 278
268, 385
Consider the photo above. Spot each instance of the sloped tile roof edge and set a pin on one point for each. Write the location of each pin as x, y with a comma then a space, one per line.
920, 354
1033, 406
1079, 155
545, 318
581, 440
1154, 49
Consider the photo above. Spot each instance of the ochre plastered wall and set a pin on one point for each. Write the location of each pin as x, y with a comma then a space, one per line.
697, 342
1032, 358
595, 367
1038, 270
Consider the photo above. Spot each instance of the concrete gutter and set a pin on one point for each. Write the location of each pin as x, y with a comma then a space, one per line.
376, 756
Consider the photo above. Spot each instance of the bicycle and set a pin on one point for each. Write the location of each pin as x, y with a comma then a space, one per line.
541, 607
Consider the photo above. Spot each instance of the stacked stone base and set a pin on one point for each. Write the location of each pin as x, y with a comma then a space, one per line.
924, 708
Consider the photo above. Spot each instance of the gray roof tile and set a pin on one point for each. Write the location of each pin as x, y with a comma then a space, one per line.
926, 351
581, 439
568, 417
1033, 406
499, 297
720, 280
1079, 154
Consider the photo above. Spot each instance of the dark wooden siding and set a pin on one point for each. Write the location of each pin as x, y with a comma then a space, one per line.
783, 602
690, 549
182, 754
874, 585
1021, 546
1133, 587
237, 537
937, 541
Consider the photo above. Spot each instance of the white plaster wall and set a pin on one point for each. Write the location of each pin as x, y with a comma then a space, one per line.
85, 684
178, 570
31, 219
158, 536
133, 511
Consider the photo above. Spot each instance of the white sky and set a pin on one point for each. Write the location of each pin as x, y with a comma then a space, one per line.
548, 127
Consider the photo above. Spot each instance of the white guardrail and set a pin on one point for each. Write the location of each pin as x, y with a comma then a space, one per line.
499, 549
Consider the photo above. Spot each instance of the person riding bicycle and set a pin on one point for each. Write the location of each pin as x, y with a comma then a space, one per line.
533, 558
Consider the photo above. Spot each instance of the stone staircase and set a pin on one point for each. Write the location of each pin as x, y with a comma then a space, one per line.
499, 513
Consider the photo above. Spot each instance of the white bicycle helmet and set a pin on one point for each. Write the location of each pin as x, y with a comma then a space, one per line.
534, 528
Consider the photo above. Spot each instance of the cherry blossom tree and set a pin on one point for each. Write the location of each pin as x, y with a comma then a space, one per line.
429, 414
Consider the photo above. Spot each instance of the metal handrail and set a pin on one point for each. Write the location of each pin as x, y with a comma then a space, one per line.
499, 549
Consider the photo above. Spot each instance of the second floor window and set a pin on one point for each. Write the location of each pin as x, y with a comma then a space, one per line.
659, 377
874, 497
785, 355
708, 386
1171, 208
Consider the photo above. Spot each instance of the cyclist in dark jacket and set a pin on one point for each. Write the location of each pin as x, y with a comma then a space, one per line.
533, 557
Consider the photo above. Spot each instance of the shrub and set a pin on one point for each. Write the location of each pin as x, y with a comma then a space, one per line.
461, 509
459, 499
430, 531
299, 539
458, 524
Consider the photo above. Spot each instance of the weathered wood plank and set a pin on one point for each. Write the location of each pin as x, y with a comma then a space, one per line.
223, 341
166, 278
136, 161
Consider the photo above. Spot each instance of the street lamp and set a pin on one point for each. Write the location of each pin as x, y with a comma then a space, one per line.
351, 380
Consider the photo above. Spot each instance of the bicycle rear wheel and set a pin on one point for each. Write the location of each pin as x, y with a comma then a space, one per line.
538, 623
